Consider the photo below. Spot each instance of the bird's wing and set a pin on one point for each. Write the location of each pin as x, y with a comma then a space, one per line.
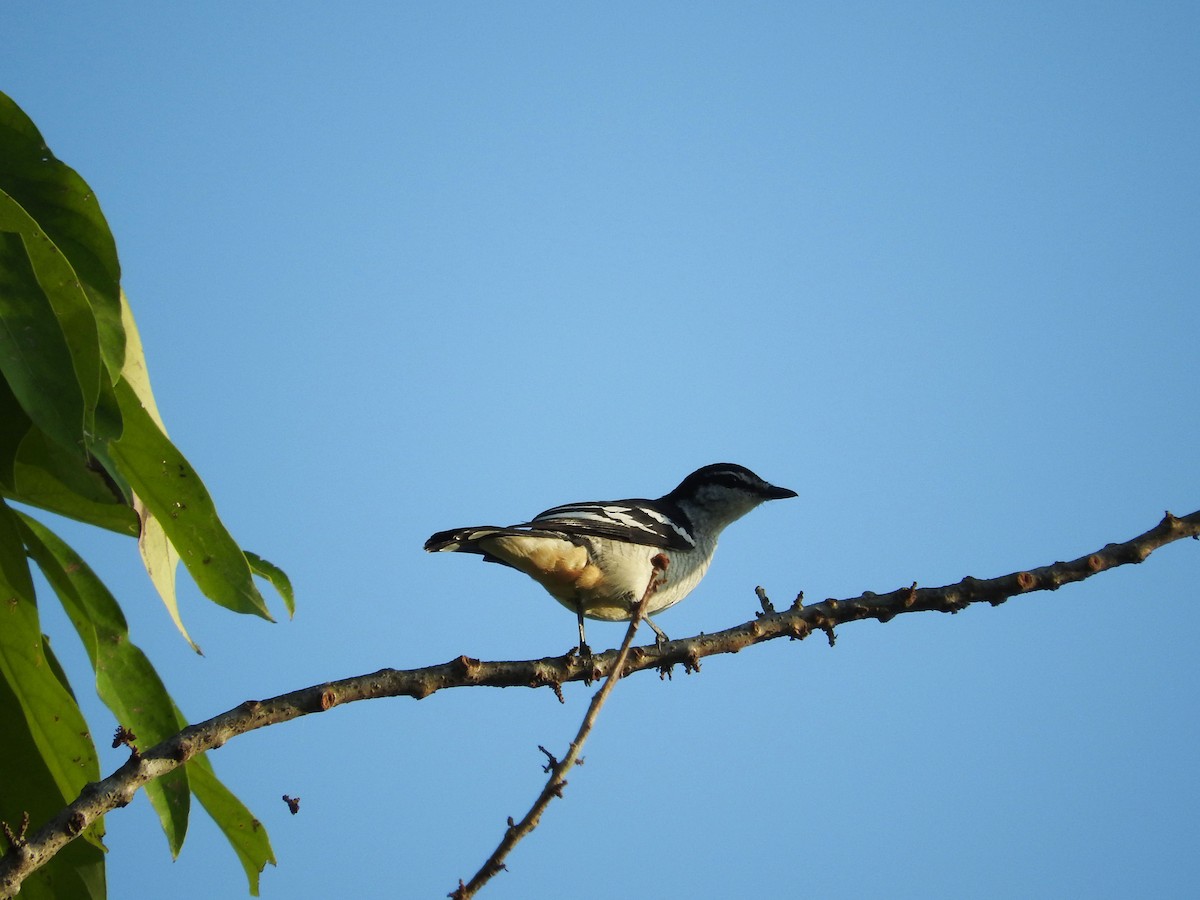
634, 521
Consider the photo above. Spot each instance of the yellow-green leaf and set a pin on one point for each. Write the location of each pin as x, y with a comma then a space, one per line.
165, 482
245, 833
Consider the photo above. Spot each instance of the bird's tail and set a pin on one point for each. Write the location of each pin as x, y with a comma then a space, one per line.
466, 540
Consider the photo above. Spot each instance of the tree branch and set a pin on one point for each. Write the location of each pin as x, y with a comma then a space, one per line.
797, 622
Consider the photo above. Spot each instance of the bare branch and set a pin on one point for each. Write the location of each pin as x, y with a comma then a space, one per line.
797, 622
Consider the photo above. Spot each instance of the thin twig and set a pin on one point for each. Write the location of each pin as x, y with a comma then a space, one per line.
796, 623
558, 769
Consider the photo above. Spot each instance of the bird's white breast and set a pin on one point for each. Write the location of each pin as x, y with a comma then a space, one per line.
628, 569
606, 577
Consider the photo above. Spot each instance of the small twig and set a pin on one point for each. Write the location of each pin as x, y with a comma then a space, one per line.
16, 840
293, 803
548, 767
556, 768
125, 737
768, 608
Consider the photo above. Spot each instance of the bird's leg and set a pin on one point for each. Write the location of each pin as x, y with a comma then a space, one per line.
584, 649
660, 636
658, 577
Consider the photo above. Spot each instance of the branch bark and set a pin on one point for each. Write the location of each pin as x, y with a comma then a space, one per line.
26, 854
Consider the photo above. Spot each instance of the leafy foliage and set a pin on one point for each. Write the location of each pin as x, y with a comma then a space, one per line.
81, 436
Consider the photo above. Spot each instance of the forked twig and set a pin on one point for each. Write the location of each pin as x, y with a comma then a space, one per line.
558, 768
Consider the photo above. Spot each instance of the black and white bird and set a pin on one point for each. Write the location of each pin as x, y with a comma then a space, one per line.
599, 559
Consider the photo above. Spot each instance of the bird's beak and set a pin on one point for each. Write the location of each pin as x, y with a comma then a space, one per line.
779, 493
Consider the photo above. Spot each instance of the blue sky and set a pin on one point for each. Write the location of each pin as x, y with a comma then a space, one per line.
401, 267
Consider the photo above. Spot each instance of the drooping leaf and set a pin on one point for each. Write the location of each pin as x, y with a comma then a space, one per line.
158, 554
135, 371
161, 560
245, 833
277, 578
172, 493
55, 722
125, 680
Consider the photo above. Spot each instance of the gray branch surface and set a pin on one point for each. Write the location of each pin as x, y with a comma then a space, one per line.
26, 854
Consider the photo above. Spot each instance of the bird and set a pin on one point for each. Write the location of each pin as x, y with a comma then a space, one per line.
598, 559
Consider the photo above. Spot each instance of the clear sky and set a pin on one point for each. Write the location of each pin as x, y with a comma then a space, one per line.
402, 267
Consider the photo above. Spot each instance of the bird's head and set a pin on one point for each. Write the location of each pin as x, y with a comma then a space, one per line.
722, 493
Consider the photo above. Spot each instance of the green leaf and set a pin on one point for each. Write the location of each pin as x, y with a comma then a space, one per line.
35, 358
67, 211
95, 832
53, 717
277, 578
125, 680
47, 476
28, 787
16, 426
171, 491
68, 300
245, 833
